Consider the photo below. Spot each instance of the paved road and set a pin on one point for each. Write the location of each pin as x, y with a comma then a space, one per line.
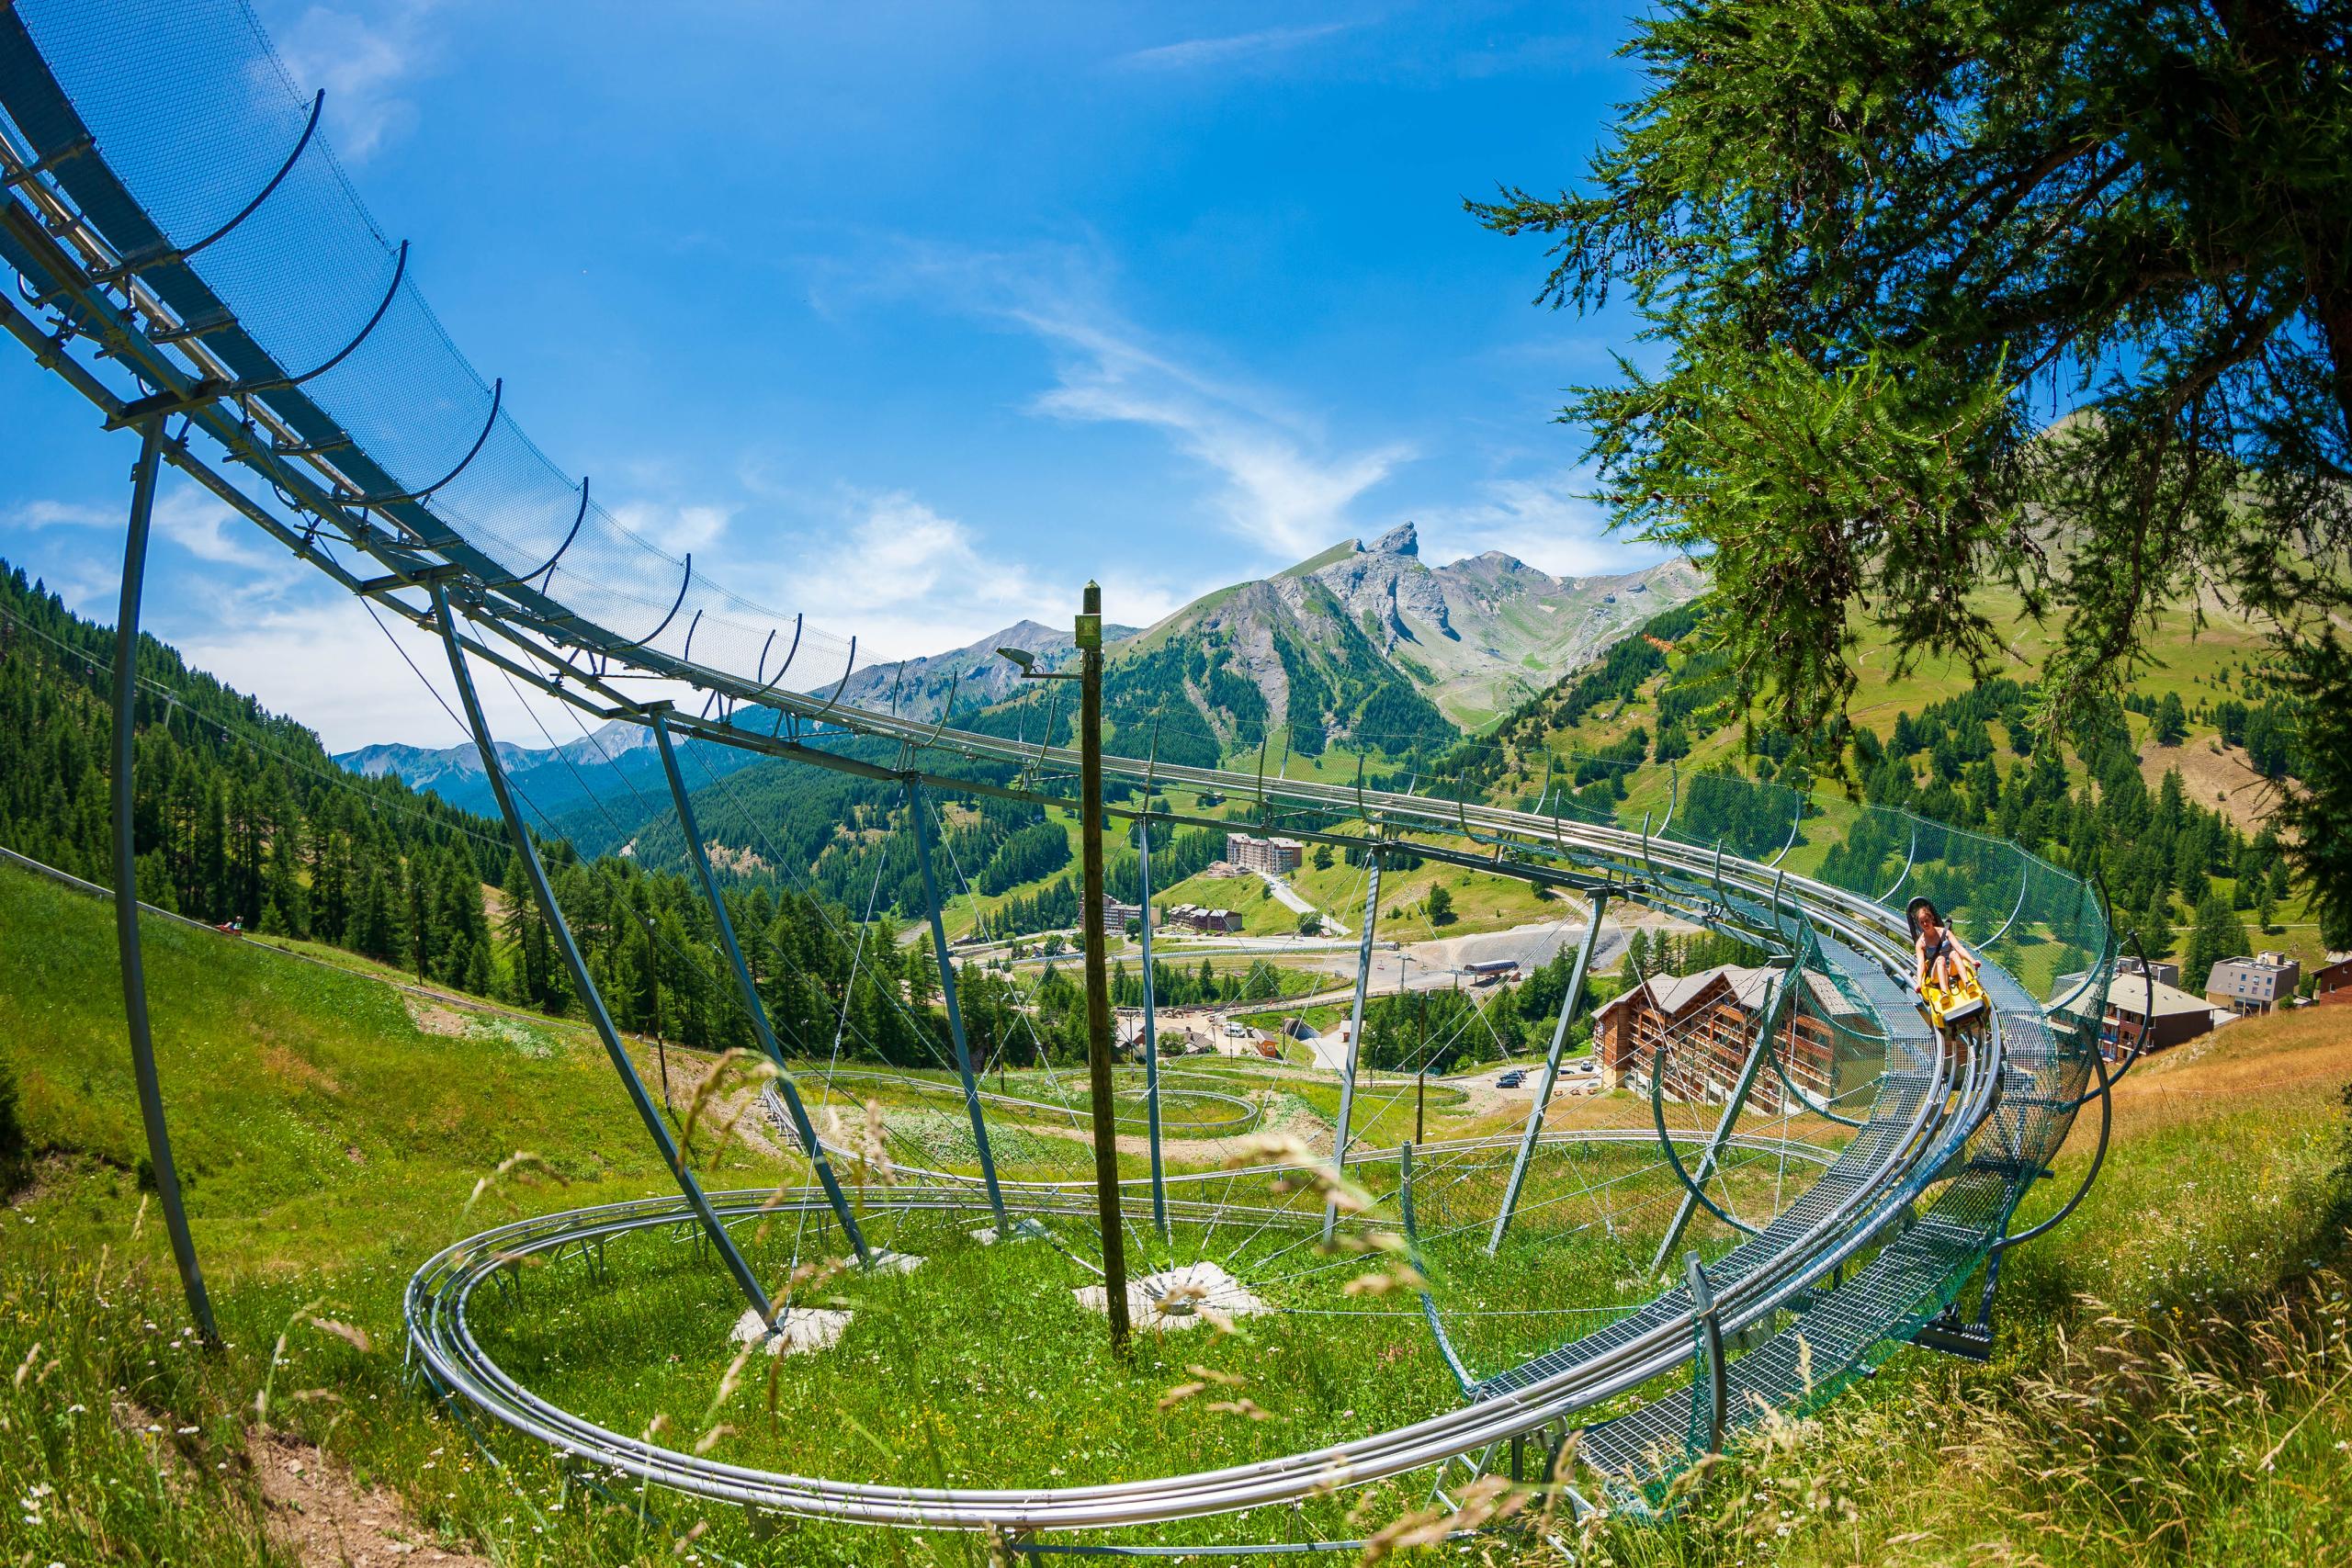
1290, 899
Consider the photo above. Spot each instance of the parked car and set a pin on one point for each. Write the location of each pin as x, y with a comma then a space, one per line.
1512, 1078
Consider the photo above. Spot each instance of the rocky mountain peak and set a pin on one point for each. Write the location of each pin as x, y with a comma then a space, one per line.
1402, 540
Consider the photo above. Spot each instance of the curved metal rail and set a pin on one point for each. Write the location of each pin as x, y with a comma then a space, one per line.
1974, 1119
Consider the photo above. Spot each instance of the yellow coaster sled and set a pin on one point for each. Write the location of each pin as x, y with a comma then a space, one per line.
1962, 1002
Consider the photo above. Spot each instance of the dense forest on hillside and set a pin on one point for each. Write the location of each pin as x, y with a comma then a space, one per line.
2182, 874
241, 816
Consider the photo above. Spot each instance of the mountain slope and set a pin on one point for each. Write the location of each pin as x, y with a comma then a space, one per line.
973, 676
615, 757
1458, 643
2166, 798
1479, 633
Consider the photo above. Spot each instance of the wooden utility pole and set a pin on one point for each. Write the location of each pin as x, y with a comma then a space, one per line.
1098, 977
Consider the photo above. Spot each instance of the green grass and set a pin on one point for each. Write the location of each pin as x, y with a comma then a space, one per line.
2169, 1376
311, 1112
2216, 1203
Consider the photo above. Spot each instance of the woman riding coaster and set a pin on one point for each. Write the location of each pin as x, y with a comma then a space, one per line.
1937, 947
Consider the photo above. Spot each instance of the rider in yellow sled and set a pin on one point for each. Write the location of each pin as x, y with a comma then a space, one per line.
1946, 970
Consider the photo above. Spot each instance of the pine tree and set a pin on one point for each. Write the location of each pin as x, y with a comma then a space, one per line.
2155, 925
2218, 936
2171, 721
422, 939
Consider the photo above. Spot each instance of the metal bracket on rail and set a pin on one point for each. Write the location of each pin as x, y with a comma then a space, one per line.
1707, 1320
1909, 855
165, 255
497, 396
684, 583
1673, 795
2099, 1158
1036, 765
2138, 1045
2107, 947
847, 665
1649, 864
547, 568
760, 675
1413, 1256
165, 405
283, 383
1796, 824
1818, 1108
2025, 881
947, 710
1666, 1144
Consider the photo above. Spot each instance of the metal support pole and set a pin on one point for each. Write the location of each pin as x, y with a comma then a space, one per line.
916, 810
1151, 1037
1421, 1065
760, 1027
1732, 1105
1551, 1075
582, 981
1702, 1309
1097, 973
126, 883
1342, 1135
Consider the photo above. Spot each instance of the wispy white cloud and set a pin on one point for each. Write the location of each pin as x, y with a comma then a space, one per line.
1281, 488
62, 514
1544, 520
679, 527
363, 58
199, 523
321, 662
1192, 53
1281, 484
911, 581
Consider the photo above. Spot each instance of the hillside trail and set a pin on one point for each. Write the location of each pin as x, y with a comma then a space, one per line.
320, 1514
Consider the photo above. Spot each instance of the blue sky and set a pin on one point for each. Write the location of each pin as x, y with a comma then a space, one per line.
914, 316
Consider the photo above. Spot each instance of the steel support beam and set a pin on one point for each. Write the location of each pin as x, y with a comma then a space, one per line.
582, 981
1551, 1077
916, 809
1732, 1105
760, 1027
1151, 1036
126, 883
1709, 1322
1345, 1133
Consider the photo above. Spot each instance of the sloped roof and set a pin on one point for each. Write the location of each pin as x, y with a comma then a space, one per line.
1672, 994
2130, 992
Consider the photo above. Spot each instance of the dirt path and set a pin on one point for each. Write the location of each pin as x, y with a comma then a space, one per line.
318, 1513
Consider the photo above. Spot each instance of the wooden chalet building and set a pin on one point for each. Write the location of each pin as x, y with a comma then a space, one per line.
1711, 1019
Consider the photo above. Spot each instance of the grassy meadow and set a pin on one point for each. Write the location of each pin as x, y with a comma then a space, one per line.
2168, 1381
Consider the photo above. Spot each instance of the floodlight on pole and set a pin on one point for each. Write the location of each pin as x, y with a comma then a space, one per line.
1020, 659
